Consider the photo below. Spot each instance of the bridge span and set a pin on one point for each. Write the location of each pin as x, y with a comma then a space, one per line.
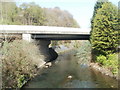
42, 36
45, 32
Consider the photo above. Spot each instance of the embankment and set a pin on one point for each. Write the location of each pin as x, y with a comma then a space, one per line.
103, 70
85, 57
20, 61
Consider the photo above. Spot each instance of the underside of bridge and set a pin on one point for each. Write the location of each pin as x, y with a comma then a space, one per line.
61, 36
45, 39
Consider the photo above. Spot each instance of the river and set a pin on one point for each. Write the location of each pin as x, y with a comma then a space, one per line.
66, 65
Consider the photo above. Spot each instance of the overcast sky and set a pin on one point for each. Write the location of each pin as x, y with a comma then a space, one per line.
81, 10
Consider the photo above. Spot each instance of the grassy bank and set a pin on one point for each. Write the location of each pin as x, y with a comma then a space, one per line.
19, 63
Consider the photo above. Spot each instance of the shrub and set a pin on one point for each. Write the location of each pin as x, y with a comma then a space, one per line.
101, 59
110, 61
19, 61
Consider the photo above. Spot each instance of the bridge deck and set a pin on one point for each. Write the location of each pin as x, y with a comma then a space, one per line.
46, 32
40, 29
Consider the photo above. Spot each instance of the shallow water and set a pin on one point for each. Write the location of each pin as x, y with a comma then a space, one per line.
82, 76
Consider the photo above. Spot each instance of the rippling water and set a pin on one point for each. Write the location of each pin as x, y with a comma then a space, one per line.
82, 76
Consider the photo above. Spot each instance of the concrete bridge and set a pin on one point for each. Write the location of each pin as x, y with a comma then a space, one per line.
45, 32
42, 35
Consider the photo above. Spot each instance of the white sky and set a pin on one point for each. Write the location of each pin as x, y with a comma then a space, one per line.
81, 10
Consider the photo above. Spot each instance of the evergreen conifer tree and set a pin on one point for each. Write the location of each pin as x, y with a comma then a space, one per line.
104, 35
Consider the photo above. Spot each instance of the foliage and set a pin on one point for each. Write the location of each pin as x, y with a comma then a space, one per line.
104, 33
32, 14
8, 13
97, 6
101, 59
26, 14
58, 17
21, 80
77, 43
111, 62
84, 52
20, 60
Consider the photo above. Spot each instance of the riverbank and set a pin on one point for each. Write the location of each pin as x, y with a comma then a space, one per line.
103, 70
20, 62
57, 76
85, 57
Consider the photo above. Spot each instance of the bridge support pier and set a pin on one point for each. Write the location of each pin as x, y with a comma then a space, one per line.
27, 37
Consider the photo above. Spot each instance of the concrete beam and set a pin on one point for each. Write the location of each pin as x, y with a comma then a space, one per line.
61, 36
27, 37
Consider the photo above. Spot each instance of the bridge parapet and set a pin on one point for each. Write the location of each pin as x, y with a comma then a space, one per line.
40, 29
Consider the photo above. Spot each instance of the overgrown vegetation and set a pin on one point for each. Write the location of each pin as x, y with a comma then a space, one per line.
19, 63
84, 52
104, 35
111, 62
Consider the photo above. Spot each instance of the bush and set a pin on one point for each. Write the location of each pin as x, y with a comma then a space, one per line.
101, 59
110, 61
19, 61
